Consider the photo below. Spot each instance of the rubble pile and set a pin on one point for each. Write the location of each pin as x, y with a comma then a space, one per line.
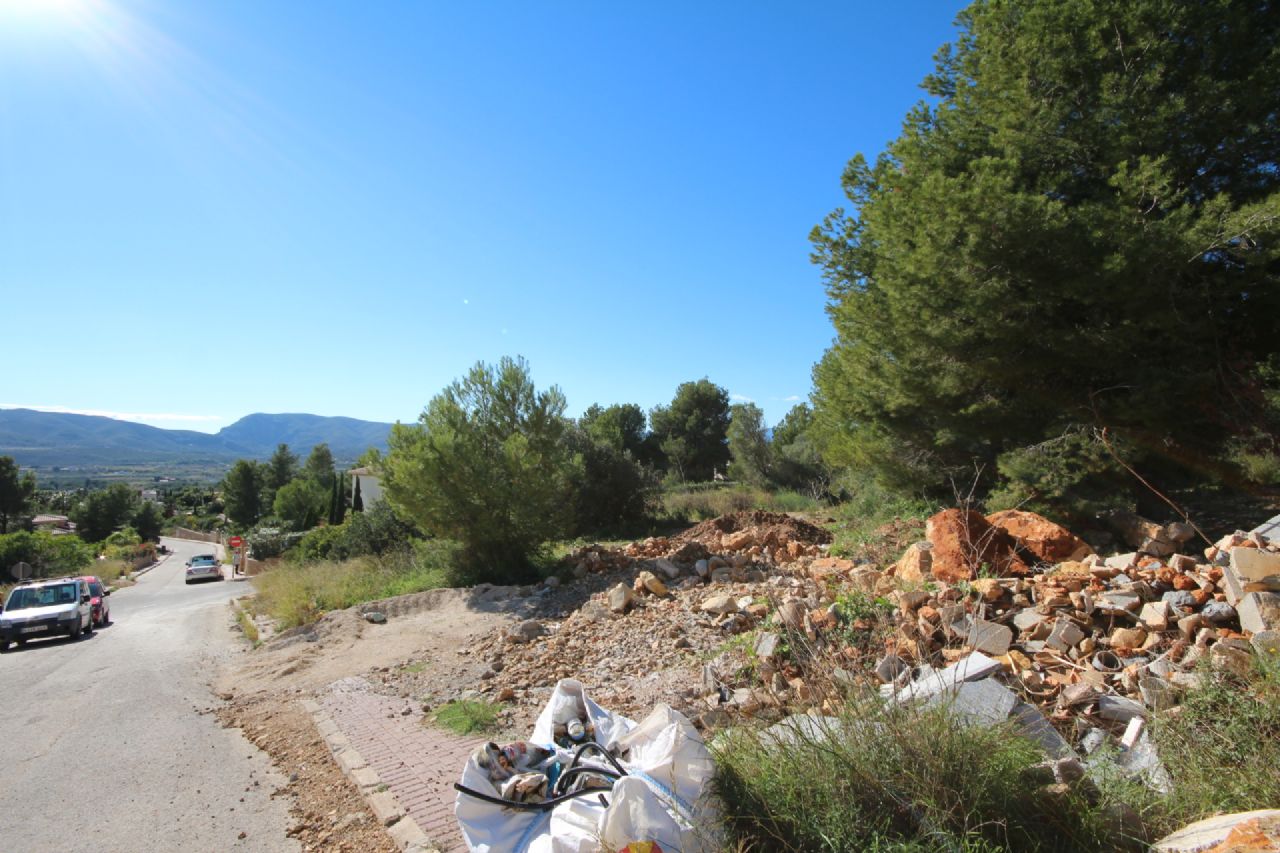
1010, 615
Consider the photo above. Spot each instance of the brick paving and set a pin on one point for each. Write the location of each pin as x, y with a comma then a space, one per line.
418, 763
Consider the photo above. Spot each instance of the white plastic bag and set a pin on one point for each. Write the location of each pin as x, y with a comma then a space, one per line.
664, 798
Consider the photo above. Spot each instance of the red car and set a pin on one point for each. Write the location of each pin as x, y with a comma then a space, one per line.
98, 601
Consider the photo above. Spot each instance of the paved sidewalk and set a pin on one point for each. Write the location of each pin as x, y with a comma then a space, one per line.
418, 763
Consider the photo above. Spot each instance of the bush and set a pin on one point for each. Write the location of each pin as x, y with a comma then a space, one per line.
268, 542
48, 555
611, 490
376, 531
486, 466
893, 778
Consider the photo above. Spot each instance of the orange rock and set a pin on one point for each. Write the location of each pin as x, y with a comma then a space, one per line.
964, 543
1046, 541
1184, 582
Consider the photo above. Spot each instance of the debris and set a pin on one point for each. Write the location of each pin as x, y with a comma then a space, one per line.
377, 617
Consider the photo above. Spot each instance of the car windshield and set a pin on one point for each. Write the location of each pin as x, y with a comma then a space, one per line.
95, 588
25, 597
204, 558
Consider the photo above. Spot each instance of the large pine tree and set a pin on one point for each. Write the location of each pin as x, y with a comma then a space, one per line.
1080, 227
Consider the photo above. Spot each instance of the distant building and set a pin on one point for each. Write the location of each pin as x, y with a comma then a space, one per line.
58, 525
150, 495
370, 486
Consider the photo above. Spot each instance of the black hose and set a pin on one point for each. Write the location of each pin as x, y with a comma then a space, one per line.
573, 772
544, 806
592, 745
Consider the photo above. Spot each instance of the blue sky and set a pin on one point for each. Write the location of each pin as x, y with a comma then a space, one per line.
213, 209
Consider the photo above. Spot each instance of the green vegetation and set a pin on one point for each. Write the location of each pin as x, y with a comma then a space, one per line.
700, 501
1222, 747
903, 779
1032, 255
298, 593
247, 627
16, 492
48, 555
692, 432
486, 465
467, 716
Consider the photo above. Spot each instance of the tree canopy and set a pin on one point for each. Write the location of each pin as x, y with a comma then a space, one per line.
1082, 227
242, 492
485, 465
15, 491
692, 432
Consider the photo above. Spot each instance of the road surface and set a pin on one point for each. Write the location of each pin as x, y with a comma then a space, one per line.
105, 743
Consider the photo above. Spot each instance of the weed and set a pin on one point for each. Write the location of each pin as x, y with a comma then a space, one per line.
247, 626
467, 716
293, 594
893, 778
1222, 748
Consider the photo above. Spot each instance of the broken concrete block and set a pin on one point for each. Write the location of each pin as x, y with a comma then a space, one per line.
974, 667
1218, 612
1259, 611
1027, 620
991, 638
1128, 638
1122, 561
889, 667
1035, 726
620, 598
1253, 564
1065, 634
1155, 615
1119, 708
1182, 563
720, 604
1233, 656
986, 702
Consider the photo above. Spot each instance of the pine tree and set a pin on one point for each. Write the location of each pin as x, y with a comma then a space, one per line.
357, 503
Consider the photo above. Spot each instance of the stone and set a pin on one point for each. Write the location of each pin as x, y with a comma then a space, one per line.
1122, 561
594, 611
974, 667
1032, 724
1064, 635
1132, 528
1043, 539
1204, 835
1027, 620
965, 544
650, 582
990, 638
720, 604
916, 563
1179, 600
989, 588
766, 645
526, 631
1119, 708
791, 612
1117, 602
701, 568
740, 540
1182, 563
1267, 643
621, 598
1156, 693
1218, 612
1155, 615
1128, 638
666, 567
912, 600
1259, 611
1189, 625
377, 617
1229, 657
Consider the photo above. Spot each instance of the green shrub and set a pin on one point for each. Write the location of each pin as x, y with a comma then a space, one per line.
892, 778
48, 555
377, 530
611, 490
467, 716
486, 465
1072, 476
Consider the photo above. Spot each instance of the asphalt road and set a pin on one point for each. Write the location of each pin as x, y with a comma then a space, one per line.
103, 746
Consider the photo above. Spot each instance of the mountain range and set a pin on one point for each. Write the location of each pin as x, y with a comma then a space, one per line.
45, 439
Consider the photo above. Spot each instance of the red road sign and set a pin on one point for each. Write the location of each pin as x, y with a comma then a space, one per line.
235, 541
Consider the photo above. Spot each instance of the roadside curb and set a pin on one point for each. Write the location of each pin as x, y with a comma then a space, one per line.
406, 833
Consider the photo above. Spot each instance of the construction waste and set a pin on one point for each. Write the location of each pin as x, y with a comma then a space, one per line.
1007, 617
601, 781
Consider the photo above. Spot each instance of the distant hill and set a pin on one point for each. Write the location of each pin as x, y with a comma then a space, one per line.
346, 437
46, 439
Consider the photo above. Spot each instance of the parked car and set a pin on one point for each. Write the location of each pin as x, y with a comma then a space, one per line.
36, 609
98, 601
204, 567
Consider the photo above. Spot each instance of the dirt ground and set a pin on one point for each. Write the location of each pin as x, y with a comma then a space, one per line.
262, 689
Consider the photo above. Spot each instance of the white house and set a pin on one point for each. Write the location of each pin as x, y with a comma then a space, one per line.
370, 486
